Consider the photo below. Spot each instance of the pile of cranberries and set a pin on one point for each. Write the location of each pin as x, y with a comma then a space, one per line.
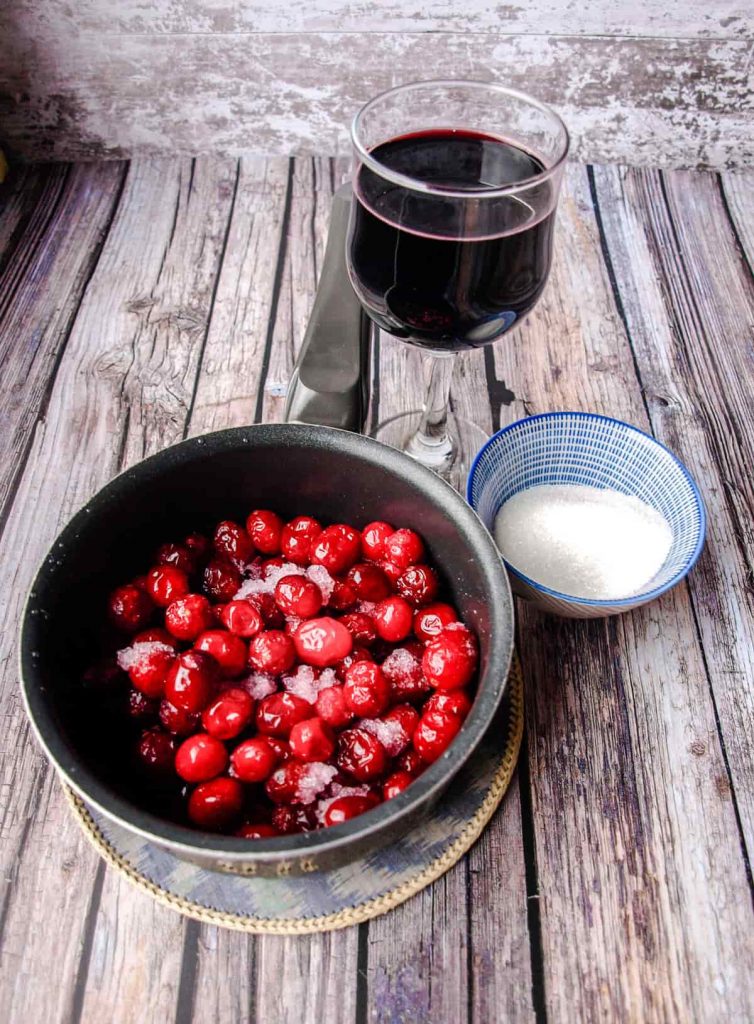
285, 677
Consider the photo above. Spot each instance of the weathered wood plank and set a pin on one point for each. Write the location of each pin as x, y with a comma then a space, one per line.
668, 101
738, 190
689, 303
122, 390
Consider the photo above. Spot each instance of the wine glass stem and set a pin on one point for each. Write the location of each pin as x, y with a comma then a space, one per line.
432, 443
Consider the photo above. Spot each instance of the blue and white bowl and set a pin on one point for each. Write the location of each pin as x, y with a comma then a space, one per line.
584, 448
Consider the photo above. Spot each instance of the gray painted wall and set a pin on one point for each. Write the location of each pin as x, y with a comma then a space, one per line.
666, 83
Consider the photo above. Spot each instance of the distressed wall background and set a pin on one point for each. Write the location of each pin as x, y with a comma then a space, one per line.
666, 83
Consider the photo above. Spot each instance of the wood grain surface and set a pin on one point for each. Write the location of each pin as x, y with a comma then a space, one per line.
144, 302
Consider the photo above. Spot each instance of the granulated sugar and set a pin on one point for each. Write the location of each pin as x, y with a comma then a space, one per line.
305, 683
583, 541
315, 777
390, 733
130, 657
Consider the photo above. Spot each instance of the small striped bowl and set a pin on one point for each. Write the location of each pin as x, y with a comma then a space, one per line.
584, 448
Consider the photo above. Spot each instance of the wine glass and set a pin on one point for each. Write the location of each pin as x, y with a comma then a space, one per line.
450, 237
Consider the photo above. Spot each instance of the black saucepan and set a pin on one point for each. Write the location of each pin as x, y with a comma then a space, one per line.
331, 474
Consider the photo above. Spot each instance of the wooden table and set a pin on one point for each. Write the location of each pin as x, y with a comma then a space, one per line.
141, 303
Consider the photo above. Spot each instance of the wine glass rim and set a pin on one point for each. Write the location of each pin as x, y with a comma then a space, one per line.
416, 184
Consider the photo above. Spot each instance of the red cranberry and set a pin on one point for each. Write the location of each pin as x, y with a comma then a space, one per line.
229, 715
367, 692
177, 555
369, 582
242, 618
221, 581
337, 548
408, 719
166, 584
373, 538
357, 654
434, 734
291, 820
271, 614
455, 702
278, 713
429, 622
322, 642
393, 619
312, 740
297, 538
149, 668
228, 650
156, 750
419, 585
155, 635
214, 805
189, 616
332, 708
409, 761
260, 831
198, 546
176, 720
404, 548
450, 659
281, 748
343, 596
265, 529
392, 571
254, 760
271, 565
361, 627
395, 784
282, 787
299, 596
272, 651
200, 758
129, 608
191, 680
232, 543
141, 706
361, 755
347, 807
403, 670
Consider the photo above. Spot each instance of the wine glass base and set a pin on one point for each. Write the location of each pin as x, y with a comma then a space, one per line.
398, 432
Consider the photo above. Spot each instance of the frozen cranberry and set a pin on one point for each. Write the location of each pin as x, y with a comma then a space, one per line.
361, 755
392, 571
373, 538
332, 708
228, 650
343, 596
367, 692
229, 715
429, 622
254, 760
299, 596
322, 642
369, 582
177, 555
419, 585
347, 807
361, 627
281, 748
297, 538
149, 666
403, 670
242, 618
221, 581
189, 616
456, 702
155, 635
409, 761
265, 529
191, 680
278, 713
156, 750
450, 659
198, 546
200, 758
176, 720
166, 584
393, 619
216, 804
434, 734
140, 706
291, 820
260, 831
395, 784
312, 740
232, 543
271, 614
269, 566
357, 654
130, 608
272, 651
404, 548
408, 719
337, 548
283, 785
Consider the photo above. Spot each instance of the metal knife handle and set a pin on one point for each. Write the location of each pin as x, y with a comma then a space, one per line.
329, 384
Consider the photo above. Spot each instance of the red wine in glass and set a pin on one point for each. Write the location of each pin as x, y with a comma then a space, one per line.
448, 274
